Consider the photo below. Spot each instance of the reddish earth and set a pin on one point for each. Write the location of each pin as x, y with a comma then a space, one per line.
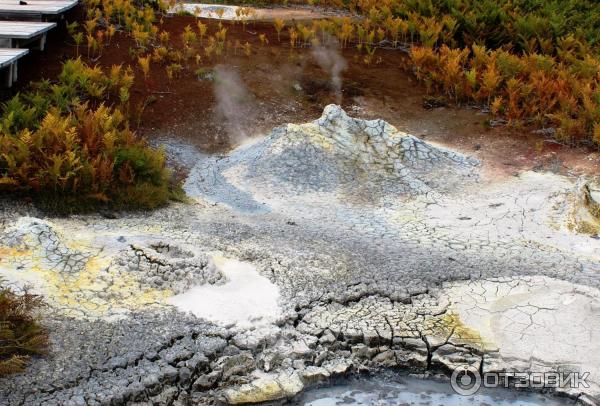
185, 107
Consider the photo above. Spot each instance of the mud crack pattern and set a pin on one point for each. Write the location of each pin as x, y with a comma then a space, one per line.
385, 251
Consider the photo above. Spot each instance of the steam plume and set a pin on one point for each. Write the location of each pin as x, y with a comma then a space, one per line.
330, 60
234, 103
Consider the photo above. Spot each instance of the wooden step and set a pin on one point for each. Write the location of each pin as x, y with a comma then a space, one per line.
8, 60
36, 8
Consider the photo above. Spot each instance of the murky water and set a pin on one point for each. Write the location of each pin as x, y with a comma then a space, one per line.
414, 391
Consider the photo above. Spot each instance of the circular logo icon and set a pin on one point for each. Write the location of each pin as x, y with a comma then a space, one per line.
465, 380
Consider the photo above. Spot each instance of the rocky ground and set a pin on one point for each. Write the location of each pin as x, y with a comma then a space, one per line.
323, 249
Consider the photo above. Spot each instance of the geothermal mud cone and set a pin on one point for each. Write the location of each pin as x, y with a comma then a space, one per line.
335, 153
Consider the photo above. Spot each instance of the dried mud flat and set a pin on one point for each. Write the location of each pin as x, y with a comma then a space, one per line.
323, 249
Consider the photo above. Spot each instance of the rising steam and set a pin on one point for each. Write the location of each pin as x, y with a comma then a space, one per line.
234, 103
330, 60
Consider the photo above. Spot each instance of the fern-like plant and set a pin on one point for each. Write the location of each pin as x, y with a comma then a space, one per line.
21, 335
278, 23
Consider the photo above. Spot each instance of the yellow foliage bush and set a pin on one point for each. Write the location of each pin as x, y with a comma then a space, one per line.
518, 87
57, 147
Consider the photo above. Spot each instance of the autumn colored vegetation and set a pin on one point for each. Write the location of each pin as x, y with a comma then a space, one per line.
67, 142
21, 335
63, 145
532, 88
529, 62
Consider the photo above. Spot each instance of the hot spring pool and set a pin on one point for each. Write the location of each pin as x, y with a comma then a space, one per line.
413, 391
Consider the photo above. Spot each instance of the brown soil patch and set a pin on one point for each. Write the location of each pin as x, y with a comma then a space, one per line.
186, 106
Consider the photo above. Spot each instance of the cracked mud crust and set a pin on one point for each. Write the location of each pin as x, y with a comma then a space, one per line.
377, 250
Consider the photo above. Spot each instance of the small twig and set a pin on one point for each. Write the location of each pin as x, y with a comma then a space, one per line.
551, 141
